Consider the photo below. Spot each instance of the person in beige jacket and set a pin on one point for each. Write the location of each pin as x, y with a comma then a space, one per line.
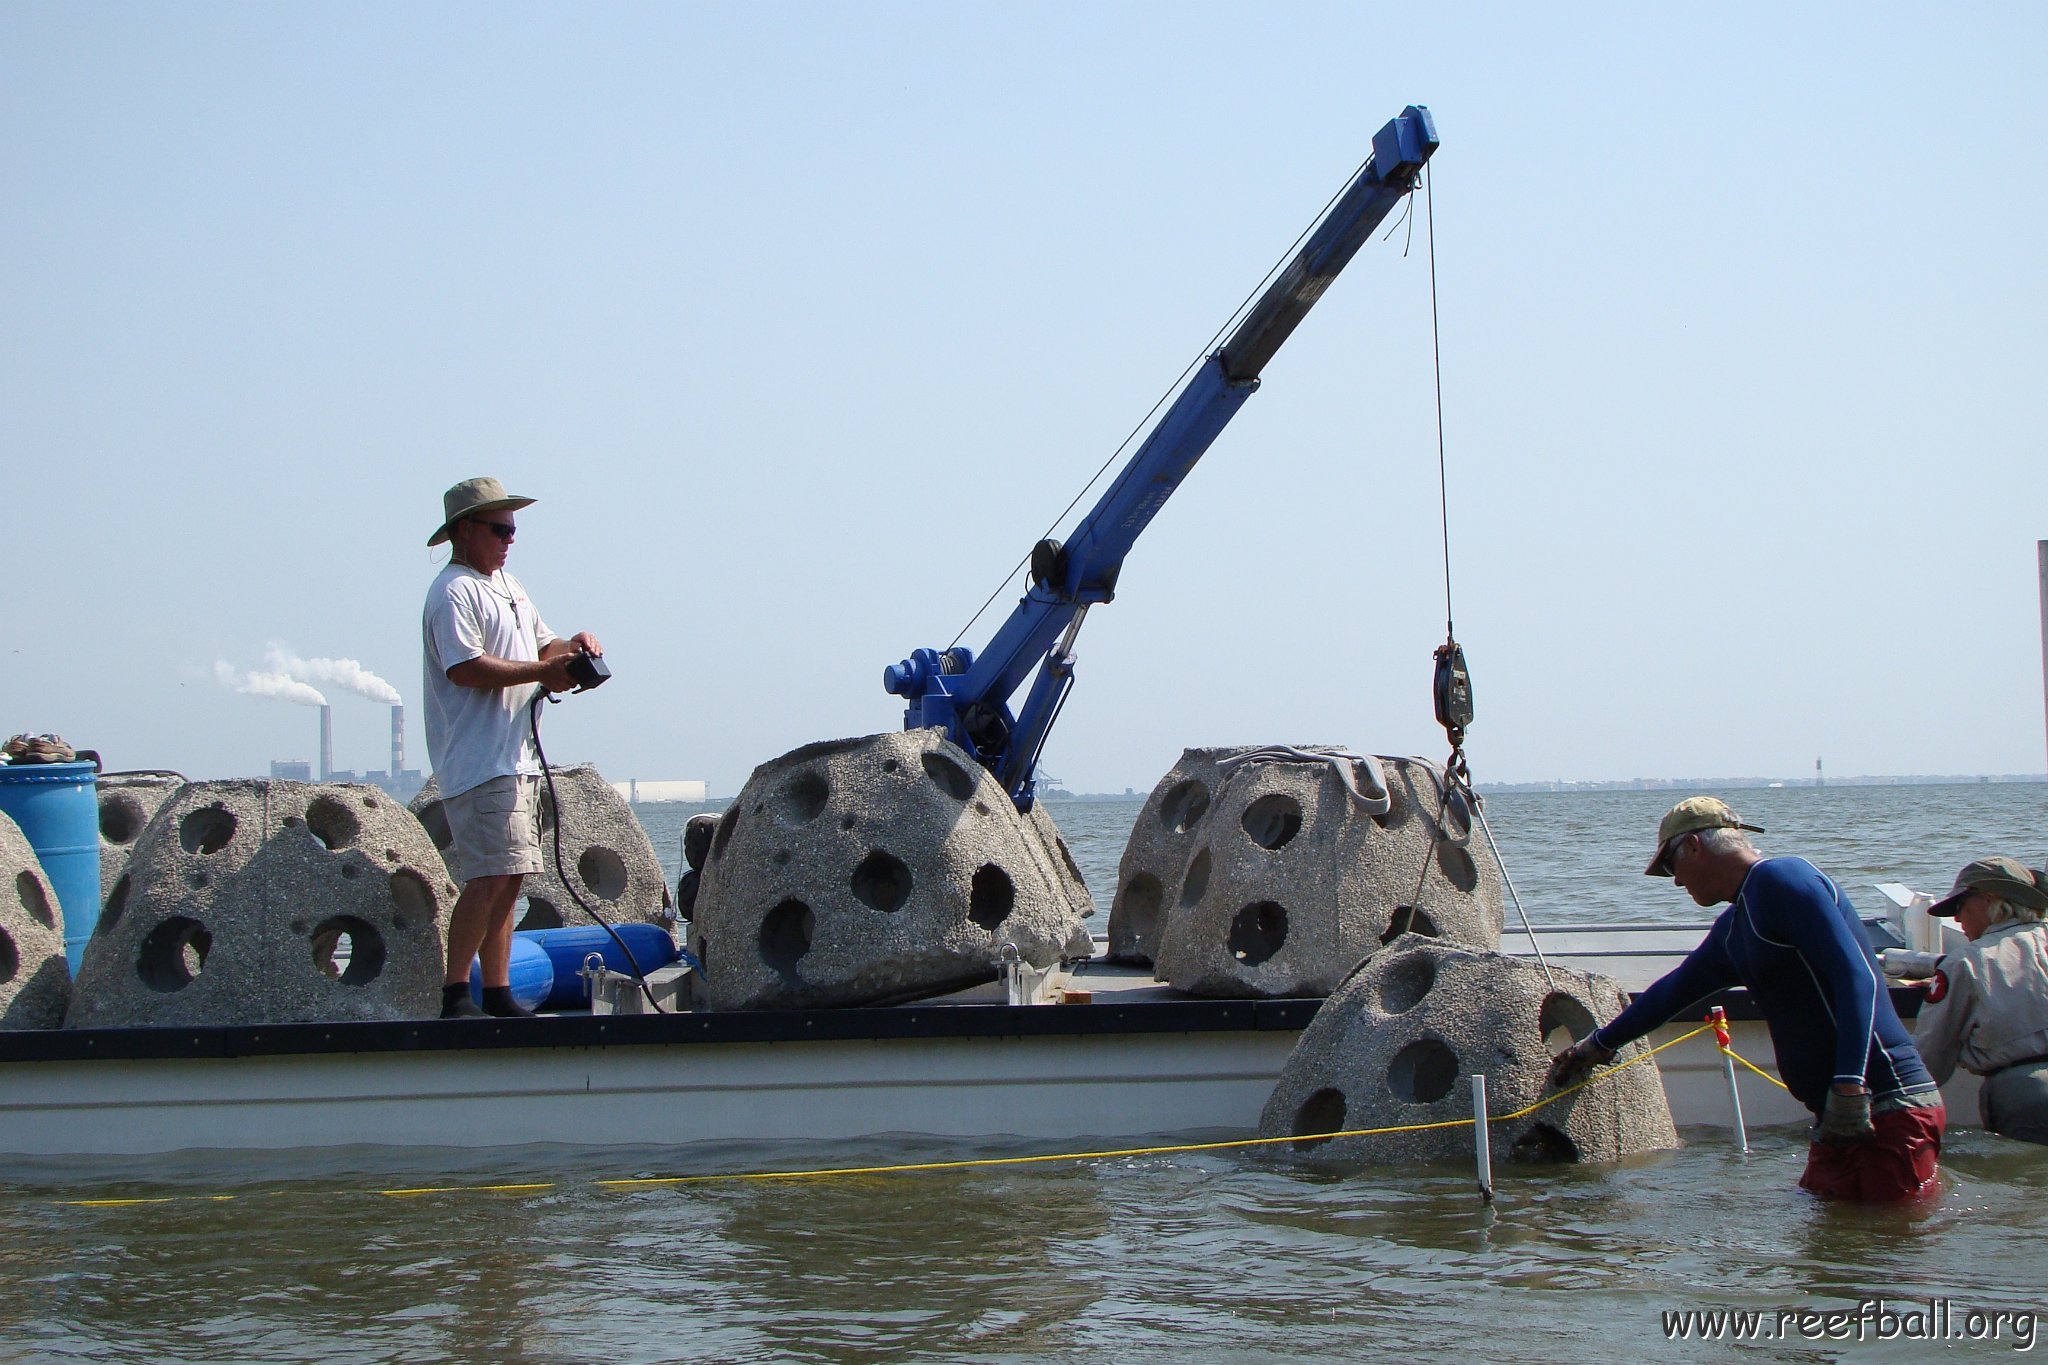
1987, 1007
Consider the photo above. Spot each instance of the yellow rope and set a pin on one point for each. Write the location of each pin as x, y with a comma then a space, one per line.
1757, 1069
906, 1168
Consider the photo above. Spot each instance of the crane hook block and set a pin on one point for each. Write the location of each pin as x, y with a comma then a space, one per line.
1453, 688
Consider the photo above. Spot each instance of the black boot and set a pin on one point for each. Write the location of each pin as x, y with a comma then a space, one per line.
498, 1002
456, 1004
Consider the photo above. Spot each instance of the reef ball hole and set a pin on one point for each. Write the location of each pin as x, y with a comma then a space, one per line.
117, 901
1139, 902
1406, 919
803, 797
332, 823
1542, 1145
786, 935
10, 958
890, 765
348, 949
28, 889
1405, 981
540, 913
1398, 807
1423, 1072
1459, 869
1320, 1115
882, 882
991, 896
411, 894
349, 871
434, 819
121, 818
173, 954
848, 820
1257, 931
953, 779
603, 871
1562, 1020
369, 803
1196, 884
1184, 806
780, 857
199, 881
206, 831
1273, 820
727, 823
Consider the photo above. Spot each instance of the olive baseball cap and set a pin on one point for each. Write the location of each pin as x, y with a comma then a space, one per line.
1690, 816
2006, 878
470, 497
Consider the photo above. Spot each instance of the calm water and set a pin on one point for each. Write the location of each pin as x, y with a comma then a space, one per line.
1209, 1257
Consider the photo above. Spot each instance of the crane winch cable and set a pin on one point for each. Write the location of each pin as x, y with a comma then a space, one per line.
1171, 389
1453, 683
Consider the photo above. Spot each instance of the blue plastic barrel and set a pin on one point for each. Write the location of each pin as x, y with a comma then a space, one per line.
568, 947
57, 807
532, 976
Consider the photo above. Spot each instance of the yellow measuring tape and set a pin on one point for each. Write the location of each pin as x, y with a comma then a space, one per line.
907, 1168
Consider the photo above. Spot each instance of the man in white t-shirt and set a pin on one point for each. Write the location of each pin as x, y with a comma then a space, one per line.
487, 652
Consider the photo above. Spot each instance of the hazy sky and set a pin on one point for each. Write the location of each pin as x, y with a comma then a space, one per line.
804, 321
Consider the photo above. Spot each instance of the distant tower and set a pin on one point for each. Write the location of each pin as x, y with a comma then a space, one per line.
326, 743
397, 741
1818, 780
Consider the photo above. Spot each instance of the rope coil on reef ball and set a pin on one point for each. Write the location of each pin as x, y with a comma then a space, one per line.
1377, 801
963, 1164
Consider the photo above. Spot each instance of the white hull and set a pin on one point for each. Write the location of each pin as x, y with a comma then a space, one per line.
1136, 1070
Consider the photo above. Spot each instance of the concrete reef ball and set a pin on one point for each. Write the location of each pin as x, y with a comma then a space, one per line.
1161, 842
604, 851
256, 901
1286, 884
868, 871
1399, 1042
34, 977
127, 801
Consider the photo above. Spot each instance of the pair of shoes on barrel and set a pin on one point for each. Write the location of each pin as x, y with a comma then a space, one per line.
498, 1003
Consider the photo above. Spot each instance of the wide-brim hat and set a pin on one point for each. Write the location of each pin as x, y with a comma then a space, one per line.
1690, 816
2009, 879
470, 497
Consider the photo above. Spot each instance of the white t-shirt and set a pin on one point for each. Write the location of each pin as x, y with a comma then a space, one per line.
477, 733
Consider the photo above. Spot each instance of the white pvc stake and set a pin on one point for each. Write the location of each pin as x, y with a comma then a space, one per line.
1718, 1017
1482, 1141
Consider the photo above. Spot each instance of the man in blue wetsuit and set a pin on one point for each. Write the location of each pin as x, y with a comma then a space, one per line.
1791, 938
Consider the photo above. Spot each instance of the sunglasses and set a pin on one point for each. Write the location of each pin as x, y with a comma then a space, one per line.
503, 530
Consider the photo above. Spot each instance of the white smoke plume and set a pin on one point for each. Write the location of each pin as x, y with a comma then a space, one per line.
346, 674
272, 684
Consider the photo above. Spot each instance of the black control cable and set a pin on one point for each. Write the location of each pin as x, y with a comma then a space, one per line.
561, 874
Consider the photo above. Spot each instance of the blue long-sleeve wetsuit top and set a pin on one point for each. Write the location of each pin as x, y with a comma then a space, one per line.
1793, 940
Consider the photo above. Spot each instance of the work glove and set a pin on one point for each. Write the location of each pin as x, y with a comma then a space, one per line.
1576, 1062
1845, 1118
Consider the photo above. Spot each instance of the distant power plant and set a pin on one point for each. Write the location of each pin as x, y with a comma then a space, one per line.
402, 782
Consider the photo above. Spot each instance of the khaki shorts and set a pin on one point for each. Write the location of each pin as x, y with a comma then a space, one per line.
493, 828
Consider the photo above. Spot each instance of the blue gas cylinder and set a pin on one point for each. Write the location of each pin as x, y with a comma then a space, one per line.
57, 807
532, 975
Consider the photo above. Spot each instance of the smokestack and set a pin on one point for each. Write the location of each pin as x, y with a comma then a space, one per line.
326, 743
397, 741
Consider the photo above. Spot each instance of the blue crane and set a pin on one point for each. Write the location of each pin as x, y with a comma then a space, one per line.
967, 694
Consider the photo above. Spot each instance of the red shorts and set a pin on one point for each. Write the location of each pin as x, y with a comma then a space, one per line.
1896, 1164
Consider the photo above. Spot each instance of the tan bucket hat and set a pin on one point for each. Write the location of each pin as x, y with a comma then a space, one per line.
1690, 816
468, 498
2006, 878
